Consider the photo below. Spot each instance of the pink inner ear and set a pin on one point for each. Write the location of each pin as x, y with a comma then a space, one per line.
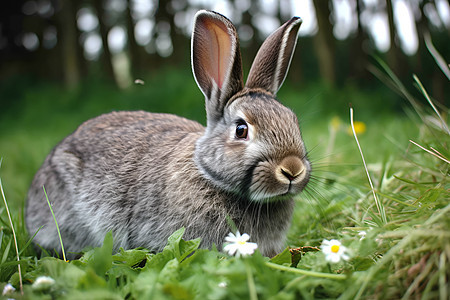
218, 61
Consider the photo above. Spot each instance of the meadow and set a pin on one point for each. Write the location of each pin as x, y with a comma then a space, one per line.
396, 233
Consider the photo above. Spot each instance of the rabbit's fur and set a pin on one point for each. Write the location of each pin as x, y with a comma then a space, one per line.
144, 175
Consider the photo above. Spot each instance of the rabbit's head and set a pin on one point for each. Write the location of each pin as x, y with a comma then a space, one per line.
252, 145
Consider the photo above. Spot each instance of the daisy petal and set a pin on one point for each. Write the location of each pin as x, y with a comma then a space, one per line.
245, 237
238, 245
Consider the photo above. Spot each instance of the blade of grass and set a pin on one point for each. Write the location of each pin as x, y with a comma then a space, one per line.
14, 263
250, 282
413, 182
428, 292
30, 240
436, 55
437, 152
14, 235
379, 205
431, 152
56, 223
391, 80
424, 183
443, 287
419, 279
437, 215
363, 281
384, 79
6, 252
395, 199
395, 81
306, 272
424, 92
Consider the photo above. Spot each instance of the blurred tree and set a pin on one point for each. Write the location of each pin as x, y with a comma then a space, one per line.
324, 41
251, 45
28, 40
421, 25
396, 59
358, 54
106, 57
169, 41
133, 47
69, 36
43, 38
423, 60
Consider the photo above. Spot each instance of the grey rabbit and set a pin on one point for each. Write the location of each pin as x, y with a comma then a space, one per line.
144, 175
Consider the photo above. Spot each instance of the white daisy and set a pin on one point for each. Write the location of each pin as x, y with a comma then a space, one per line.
43, 283
8, 289
238, 244
334, 251
362, 234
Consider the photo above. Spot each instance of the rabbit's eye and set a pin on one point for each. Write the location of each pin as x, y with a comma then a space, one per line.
241, 131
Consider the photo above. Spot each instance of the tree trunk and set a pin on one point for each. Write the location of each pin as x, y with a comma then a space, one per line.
69, 44
251, 46
394, 55
324, 42
133, 48
358, 57
106, 57
164, 15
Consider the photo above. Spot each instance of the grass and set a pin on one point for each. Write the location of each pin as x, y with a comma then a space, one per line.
14, 238
404, 253
56, 224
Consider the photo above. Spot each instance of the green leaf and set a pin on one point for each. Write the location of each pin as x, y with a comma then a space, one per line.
283, 258
100, 259
180, 248
144, 285
65, 274
103, 256
92, 294
130, 258
91, 280
170, 272
177, 291
173, 242
175, 237
187, 247
159, 260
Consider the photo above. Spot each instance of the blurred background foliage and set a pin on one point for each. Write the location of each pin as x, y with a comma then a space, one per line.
124, 40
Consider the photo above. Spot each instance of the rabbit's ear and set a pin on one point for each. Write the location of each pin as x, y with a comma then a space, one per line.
216, 61
272, 61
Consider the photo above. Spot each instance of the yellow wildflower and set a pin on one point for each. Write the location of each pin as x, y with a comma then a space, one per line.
360, 128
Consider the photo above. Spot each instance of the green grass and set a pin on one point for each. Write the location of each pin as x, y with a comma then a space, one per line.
405, 256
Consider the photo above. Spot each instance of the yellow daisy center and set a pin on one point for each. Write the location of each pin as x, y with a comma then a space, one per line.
241, 242
335, 248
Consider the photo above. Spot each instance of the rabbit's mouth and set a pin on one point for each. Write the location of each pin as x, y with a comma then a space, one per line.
294, 188
284, 192
273, 181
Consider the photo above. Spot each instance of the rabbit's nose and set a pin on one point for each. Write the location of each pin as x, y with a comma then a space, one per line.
291, 167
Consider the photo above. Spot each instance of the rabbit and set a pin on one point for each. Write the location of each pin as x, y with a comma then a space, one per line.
144, 175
